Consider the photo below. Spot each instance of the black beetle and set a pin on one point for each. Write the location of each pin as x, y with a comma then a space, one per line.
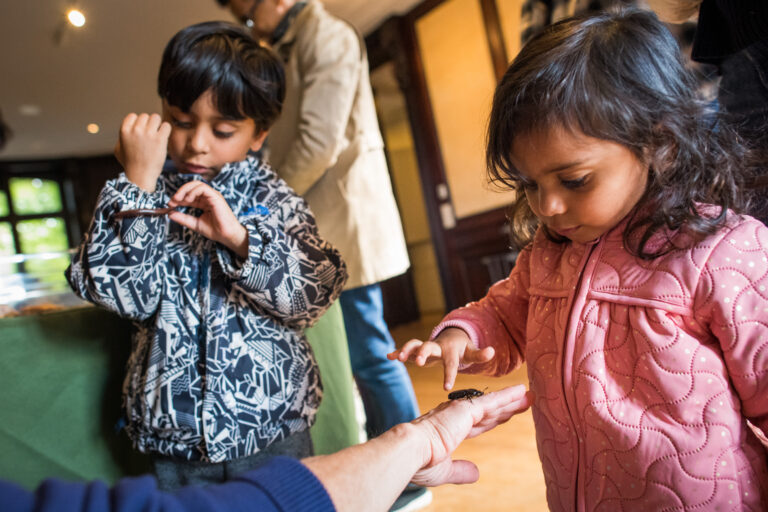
465, 394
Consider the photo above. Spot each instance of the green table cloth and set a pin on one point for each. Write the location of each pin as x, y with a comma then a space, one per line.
61, 376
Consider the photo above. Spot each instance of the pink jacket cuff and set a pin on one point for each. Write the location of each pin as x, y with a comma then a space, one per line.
459, 324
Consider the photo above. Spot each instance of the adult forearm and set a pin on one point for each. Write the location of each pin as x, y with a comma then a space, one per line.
370, 476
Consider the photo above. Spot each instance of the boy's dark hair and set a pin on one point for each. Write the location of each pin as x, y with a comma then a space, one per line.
222, 3
247, 79
620, 76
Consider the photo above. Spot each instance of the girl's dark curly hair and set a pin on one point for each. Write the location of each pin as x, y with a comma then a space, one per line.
620, 76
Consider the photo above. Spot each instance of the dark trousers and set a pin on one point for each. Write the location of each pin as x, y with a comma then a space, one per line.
173, 474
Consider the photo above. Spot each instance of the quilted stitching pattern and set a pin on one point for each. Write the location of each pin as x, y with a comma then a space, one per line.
644, 372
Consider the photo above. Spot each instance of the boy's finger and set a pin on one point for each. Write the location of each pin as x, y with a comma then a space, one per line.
194, 194
154, 122
127, 125
141, 122
165, 129
119, 152
182, 195
188, 221
129, 120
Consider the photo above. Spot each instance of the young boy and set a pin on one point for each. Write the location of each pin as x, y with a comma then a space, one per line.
221, 288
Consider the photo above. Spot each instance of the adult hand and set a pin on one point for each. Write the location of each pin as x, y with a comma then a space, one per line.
446, 426
217, 222
452, 346
369, 476
142, 147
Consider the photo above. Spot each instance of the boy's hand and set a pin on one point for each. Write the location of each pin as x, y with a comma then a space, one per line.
142, 147
217, 222
452, 346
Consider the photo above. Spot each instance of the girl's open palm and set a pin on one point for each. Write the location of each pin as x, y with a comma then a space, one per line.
217, 221
452, 346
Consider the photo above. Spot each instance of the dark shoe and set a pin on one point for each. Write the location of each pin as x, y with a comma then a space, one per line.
414, 497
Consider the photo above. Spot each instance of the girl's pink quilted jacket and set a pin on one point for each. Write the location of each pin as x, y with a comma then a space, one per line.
645, 373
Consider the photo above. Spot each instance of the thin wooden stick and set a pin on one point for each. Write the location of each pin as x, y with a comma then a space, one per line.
144, 212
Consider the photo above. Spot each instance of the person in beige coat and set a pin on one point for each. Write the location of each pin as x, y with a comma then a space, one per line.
328, 147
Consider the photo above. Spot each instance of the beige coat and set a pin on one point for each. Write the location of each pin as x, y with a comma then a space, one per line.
327, 145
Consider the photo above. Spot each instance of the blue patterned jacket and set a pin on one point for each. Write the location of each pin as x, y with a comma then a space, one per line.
219, 367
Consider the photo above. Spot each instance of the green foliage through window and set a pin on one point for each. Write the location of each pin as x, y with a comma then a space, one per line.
42, 240
42, 235
6, 239
34, 195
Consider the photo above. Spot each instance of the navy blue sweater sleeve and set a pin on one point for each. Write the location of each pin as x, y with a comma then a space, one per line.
281, 485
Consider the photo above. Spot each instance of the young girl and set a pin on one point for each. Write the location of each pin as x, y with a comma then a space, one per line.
640, 303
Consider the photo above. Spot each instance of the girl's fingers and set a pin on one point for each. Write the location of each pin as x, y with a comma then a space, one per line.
427, 353
406, 350
479, 356
451, 362
394, 355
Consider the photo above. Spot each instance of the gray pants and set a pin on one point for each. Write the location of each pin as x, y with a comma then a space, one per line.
173, 474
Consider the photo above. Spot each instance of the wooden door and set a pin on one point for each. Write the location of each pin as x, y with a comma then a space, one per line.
448, 56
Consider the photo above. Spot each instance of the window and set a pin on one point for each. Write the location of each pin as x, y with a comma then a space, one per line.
34, 238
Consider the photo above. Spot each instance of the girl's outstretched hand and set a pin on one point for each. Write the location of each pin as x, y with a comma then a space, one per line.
452, 346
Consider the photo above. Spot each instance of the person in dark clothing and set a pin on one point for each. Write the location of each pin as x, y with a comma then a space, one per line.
734, 37
537, 14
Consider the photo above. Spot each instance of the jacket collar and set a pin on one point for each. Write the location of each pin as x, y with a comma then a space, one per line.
295, 24
287, 22
232, 175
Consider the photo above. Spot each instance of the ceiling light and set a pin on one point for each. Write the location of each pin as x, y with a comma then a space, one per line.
76, 17
29, 110
93, 128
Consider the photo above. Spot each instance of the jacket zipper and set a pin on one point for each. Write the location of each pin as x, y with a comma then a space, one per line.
578, 297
